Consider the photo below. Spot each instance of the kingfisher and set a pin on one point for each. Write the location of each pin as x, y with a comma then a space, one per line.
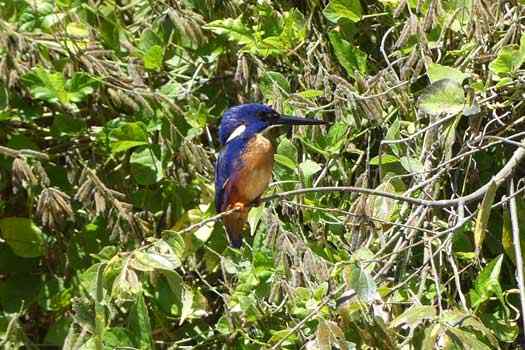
244, 167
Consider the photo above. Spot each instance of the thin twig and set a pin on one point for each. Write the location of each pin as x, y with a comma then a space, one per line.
499, 178
517, 248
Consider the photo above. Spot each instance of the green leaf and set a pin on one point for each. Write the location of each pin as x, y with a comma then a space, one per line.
310, 94
285, 161
411, 165
351, 58
384, 159
113, 338
483, 215
187, 305
336, 137
234, 29
128, 135
383, 207
80, 86
153, 58
53, 88
507, 239
145, 261
486, 284
46, 86
66, 125
146, 168
505, 328
293, 32
77, 29
100, 309
289, 336
361, 281
467, 339
159, 256
254, 217
274, 83
23, 236
288, 149
414, 316
149, 39
17, 290
139, 324
337, 9
431, 335
443, 96
57, 332
438, 72
509, 59
309, 168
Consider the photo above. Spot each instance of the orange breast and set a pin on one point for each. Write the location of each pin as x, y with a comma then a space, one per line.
256, 171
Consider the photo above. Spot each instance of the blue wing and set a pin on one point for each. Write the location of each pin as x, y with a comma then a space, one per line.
228, 162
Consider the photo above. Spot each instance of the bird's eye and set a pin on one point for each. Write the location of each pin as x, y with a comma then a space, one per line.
262, 115
267, 116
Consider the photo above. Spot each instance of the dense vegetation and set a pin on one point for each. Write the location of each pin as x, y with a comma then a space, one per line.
108, 135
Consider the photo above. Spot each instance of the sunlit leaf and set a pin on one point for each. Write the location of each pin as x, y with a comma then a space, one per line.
274, 82
234, 29
309, 168
145, 167
23, 236
443, 96
360, 281
127, 136
487, 283
153, 57
414, 315
384, 159
350, 57
438, 72
337, 9
139, 324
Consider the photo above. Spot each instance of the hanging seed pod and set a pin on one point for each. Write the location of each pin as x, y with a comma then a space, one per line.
21, 174
115, 97
242, 71
87, 64
128, 101
84, 192
143, 103
53, 207
430, 17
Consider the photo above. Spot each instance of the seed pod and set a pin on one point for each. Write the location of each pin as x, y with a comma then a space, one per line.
53, 207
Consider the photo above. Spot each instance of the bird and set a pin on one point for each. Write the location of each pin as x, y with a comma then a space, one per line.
244, 165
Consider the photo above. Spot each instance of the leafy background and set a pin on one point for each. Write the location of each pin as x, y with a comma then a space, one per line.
109, 113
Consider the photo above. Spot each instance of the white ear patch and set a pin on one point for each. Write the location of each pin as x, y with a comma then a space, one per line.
237, 132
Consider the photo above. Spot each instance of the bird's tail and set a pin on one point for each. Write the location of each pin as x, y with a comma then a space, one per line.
234, 225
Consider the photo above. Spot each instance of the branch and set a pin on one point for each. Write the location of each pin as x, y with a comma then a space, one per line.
15, 153
208, 220
517, 247
499, 178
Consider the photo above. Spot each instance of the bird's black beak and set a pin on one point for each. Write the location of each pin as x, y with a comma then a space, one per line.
287, 120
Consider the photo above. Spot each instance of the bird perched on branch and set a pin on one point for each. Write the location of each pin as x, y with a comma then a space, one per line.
244, 167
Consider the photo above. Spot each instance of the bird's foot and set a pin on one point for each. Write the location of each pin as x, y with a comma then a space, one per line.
239, 206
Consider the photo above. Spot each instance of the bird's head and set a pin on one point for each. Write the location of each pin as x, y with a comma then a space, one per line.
248, 119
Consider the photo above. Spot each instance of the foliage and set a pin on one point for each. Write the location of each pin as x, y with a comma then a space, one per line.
108, 135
